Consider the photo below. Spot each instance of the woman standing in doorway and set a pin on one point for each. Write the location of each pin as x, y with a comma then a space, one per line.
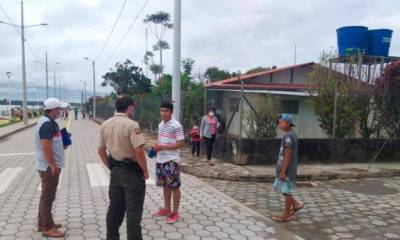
208, 131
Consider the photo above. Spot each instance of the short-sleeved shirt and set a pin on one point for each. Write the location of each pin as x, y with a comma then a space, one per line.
47, 128
120, 135
169, 133
289, 140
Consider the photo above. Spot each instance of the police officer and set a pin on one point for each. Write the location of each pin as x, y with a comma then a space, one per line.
121, 150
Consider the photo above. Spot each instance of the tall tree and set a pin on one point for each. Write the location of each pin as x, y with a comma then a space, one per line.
187, 65
159, 23
215, 74
156, 70
126, 78
387, 99
148, 58
260, 69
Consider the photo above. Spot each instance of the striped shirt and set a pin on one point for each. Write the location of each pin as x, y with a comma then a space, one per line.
169, 133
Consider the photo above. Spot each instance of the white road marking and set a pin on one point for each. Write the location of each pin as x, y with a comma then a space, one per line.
17, 154
7, 176
97, 175
58, 186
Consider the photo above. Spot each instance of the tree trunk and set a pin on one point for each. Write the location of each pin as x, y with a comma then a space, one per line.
161, 58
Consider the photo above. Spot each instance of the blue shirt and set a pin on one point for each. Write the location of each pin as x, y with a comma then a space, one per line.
289, 140
47, 128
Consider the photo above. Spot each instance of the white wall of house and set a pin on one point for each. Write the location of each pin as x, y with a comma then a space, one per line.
307, 125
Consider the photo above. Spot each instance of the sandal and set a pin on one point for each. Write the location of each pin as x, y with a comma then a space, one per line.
295, 210
282, 218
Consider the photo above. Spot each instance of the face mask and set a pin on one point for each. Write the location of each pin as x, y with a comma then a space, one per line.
196, 127
211, 114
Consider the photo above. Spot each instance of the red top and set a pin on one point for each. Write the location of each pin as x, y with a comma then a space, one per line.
195, 134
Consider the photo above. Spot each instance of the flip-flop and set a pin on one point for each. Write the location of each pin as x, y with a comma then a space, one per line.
279, 218
295, 210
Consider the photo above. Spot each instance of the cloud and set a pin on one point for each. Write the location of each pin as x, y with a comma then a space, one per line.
261, 33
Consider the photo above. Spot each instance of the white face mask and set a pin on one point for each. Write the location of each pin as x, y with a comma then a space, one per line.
196, 127
211, 114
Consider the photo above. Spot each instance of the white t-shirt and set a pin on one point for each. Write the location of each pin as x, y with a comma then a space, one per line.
169, 133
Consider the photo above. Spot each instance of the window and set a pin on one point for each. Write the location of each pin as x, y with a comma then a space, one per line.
290, 106
233, 104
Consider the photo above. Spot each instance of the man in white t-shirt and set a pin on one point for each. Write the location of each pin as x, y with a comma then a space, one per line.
170, 141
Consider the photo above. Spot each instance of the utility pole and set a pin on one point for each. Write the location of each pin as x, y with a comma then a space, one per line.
176, 59
8, 90
24, 92
94, 85
94, 90
24, 97
147, 49
46, 64
54, 81
47, 79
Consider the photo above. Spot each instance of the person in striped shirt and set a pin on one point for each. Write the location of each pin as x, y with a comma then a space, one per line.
170, 141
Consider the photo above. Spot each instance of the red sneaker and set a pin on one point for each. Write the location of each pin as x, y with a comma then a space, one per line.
162, 213
174, 217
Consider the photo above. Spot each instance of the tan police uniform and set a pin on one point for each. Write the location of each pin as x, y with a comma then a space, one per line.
120, 135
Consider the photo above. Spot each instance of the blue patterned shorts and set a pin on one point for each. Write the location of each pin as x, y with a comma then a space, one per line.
168, 175
284, 187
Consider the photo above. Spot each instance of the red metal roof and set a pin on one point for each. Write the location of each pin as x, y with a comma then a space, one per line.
268, 86
254, 75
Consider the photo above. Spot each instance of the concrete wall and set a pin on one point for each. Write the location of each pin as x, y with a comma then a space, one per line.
265, 151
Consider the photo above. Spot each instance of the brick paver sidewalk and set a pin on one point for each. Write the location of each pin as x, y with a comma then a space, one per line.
82, 198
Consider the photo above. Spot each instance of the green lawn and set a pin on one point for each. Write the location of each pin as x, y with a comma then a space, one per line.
5, 123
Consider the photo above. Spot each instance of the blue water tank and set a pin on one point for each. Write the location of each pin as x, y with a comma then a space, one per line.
351, 40
379, 42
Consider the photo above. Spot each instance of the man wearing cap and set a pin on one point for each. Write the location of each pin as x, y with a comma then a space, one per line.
120, 136
50, 160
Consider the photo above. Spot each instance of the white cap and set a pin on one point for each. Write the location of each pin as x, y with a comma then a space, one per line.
64, 104
52, 103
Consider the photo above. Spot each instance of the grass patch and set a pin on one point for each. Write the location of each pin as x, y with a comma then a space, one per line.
5, 123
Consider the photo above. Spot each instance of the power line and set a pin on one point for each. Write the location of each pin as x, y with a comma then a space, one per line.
19, 33
126, 34
111, 32
250, 32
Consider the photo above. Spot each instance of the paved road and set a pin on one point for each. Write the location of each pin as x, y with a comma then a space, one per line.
82, 199
363, 209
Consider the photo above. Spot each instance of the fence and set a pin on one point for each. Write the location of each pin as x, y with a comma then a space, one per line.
147, 110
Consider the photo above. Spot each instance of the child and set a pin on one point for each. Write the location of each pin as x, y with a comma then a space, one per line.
286, 169
170, 140
195, 139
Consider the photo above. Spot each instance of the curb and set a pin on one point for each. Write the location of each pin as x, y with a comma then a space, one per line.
326, 176
17, 130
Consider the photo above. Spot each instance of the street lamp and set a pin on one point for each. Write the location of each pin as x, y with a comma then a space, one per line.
94, 86
8, 90
24, 93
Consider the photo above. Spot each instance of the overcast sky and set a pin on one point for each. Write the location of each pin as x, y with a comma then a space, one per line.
261, 33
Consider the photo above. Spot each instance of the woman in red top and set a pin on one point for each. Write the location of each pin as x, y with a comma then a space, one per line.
195, 139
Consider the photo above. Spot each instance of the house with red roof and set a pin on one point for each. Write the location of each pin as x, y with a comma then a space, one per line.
291, 83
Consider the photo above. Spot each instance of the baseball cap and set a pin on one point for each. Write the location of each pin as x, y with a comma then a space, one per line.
288, 118
52, 103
